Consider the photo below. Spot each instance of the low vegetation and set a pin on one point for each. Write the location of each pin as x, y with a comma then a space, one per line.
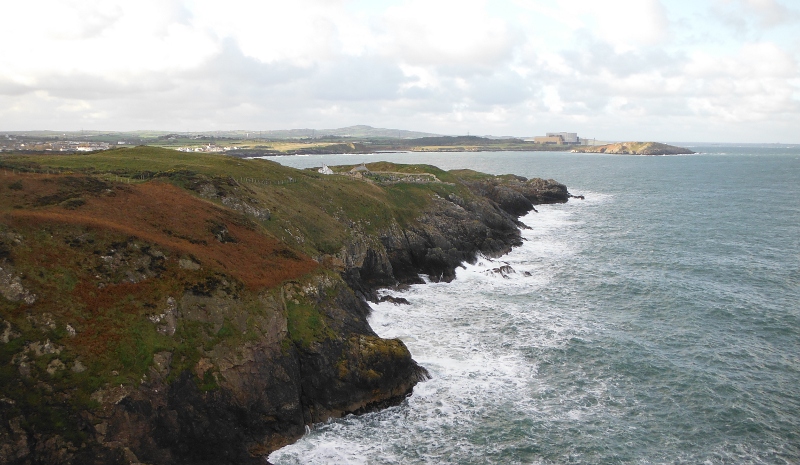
98, 249
635, 148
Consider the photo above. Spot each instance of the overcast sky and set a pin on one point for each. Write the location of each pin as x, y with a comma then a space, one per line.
668, 70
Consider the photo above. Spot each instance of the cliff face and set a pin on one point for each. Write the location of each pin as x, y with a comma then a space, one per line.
266, 390
451, 231
133, 335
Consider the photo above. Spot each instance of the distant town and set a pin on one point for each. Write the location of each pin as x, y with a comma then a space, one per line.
353, 139
11, 143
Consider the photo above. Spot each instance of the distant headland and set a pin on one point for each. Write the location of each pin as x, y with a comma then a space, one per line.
634, 148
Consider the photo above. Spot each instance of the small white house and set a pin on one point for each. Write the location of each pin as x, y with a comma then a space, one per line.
325, 169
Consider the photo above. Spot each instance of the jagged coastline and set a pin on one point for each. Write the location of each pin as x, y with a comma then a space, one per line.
635, 148
224, 364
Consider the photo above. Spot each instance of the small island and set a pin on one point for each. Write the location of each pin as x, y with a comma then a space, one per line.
635, 148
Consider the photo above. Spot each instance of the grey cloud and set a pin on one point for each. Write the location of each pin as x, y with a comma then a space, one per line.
770, 13
483, 46
749, 19
435, 100
226, 77
91, 23
504, 87
594, 56
9, 87
358, 78
91, 87
469, 69
584, 96
86, 86
236, 73
417, 93
228, 72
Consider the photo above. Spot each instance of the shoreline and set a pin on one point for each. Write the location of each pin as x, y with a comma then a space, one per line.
244, 330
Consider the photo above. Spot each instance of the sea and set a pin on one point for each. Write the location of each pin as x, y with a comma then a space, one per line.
658, 322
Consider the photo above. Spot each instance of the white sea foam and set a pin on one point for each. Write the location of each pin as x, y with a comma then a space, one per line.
473, 335
629, 331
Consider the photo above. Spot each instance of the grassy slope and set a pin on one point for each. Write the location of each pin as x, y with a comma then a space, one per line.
304, 211
74, 239
428, 144
103, 258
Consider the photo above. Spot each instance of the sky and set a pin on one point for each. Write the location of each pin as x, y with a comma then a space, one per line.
663, 70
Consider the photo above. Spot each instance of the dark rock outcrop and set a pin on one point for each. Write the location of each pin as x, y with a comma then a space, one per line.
268, 391
450, 232
394, 300
240, 400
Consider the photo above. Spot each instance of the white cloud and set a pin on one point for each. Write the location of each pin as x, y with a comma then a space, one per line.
624, 24
751, 61
116, 40
755, 19
755, 84
769, 12
301, 32
509, 67
446, 32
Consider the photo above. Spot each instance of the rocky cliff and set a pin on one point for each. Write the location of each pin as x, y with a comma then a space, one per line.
147, 323
635, 148
450, 231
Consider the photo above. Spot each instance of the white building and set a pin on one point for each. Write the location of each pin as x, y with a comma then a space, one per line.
568, 137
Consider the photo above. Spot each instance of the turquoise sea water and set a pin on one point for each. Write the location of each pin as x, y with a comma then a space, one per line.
660, 323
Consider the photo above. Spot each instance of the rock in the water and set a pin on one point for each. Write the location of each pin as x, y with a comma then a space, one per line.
505, 271
394, 300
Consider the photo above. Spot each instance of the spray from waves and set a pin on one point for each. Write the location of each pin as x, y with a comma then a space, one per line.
475, 336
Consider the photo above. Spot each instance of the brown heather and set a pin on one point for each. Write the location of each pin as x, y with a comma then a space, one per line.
169, 217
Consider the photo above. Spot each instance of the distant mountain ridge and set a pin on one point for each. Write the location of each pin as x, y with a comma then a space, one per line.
358, 131
361, 131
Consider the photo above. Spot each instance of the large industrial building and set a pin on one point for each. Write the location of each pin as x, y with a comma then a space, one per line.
558, 138
569, 137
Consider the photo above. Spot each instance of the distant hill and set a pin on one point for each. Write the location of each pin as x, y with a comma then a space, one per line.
356, 132
359, 131
462, 140
635, 148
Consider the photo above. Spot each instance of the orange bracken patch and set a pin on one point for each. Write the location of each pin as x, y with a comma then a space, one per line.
165, 215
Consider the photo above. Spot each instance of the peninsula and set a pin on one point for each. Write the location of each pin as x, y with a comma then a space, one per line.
165, 307
634, 148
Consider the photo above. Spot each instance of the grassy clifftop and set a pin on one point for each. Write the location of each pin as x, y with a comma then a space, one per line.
304, 207
135, 274
100, 240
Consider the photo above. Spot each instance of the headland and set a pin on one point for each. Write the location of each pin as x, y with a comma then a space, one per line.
167, 307
634, 148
